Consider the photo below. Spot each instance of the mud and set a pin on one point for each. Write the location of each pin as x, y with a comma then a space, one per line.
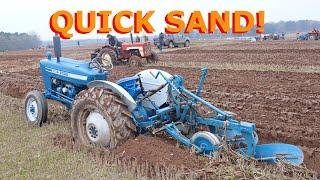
17, 85
160, 158
158, 150
152, 152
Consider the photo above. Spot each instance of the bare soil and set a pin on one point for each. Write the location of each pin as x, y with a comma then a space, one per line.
284, 105
160, 151
268, 52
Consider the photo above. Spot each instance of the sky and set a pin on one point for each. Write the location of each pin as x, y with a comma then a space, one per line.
34, 15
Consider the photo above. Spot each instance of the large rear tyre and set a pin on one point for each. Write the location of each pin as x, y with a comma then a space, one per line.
35, 108
106, 57
100, 118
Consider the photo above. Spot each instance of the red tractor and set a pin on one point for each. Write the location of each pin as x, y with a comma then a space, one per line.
125, 54
314, 34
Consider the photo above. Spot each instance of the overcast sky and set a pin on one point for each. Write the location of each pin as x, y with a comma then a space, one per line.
34, 15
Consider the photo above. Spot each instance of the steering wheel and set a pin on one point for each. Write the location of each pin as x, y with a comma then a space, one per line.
95, 63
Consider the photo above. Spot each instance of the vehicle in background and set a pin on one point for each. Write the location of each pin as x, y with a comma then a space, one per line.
313, 35
172, 41
302, 37
275, 36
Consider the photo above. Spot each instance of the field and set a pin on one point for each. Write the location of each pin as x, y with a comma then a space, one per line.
274, 84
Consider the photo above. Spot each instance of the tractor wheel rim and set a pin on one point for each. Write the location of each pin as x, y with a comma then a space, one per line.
106, 59
32, 109
98, 129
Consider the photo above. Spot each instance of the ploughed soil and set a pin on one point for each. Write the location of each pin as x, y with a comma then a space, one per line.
291, 53
285, 106
154, 150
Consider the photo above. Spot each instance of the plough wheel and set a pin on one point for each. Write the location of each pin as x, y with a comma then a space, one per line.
207, 141
100, 118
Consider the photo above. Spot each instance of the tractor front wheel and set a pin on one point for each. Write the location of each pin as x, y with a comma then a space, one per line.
153, 58
35, 108
100, 118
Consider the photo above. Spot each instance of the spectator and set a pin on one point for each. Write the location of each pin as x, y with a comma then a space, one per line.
161, 41
138, 39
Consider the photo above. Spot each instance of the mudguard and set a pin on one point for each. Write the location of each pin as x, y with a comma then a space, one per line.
124, 95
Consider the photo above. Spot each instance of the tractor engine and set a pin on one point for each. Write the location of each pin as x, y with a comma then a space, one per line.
65, 78
63, 87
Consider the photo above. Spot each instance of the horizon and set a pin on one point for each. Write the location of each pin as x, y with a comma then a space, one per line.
36, 19
102, 36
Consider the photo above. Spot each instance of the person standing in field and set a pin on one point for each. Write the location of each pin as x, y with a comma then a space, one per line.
138, 39
161, 41
145, 37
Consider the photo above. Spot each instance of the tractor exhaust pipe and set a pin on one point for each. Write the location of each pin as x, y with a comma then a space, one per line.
57, 47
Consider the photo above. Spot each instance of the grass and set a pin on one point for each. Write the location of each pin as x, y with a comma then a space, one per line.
239, 66
28, 152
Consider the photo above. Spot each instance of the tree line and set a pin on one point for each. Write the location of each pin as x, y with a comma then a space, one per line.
19, 41
269, 28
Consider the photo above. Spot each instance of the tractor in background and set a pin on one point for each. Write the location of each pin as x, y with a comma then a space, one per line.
106, 114
314, 34
131, 53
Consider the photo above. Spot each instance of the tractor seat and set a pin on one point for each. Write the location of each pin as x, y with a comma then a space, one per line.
129, 84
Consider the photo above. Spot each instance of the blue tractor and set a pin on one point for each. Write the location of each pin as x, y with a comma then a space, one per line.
106, 114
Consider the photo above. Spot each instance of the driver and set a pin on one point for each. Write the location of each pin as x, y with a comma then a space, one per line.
114, 42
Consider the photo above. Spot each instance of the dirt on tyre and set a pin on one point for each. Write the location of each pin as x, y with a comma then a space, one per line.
35, 108
100, 118
107, 56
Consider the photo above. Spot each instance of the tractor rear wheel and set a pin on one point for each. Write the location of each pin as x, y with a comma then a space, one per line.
153, 58
107, 56
36, 108
100, 118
